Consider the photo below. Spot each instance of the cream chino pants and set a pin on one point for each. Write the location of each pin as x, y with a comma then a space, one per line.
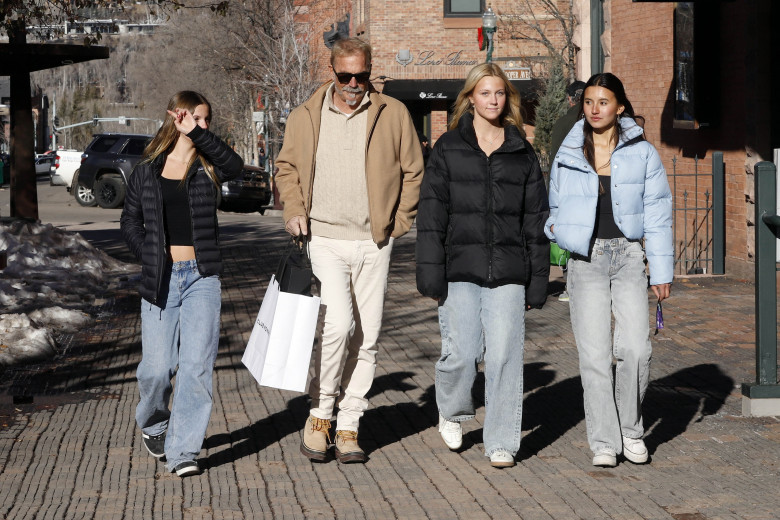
352, 279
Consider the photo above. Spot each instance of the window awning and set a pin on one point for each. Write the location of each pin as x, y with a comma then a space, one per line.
447, 89
39, 56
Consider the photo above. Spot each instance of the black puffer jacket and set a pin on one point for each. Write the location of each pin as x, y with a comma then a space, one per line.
481, 219
142, 216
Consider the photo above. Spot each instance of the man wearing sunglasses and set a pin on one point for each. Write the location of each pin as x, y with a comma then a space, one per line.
349, 176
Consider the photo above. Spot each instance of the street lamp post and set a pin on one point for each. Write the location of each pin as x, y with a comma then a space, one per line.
489, 28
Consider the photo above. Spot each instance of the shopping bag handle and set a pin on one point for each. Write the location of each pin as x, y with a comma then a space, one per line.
294, 271
297, 244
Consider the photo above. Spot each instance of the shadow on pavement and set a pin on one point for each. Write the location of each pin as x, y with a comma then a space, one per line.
670, 404
549, 413
252, 439
686, 396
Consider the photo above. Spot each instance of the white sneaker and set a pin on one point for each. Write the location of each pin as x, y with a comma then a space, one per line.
605, 459
635, 450
563, 297
502, 459
451, 432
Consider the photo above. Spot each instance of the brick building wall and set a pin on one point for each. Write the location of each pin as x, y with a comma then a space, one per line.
317, 17
642, 46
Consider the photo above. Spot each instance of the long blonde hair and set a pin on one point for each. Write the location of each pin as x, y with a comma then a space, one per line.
512, 112
165, 140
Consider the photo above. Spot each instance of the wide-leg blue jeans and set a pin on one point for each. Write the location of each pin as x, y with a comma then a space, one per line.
183, 333
477, 321
612, 282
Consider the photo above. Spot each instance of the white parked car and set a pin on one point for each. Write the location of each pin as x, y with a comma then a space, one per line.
67, 165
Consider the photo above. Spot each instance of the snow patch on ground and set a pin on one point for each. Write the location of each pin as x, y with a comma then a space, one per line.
51, 279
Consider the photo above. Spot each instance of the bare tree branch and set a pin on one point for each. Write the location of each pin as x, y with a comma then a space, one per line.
550, 23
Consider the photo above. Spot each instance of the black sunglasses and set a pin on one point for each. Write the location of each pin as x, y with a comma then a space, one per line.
346, 77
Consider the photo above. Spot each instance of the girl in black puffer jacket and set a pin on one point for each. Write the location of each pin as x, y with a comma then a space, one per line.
482, 252
169, 221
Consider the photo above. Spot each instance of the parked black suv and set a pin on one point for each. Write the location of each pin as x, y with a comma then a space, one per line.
109, 160
251, 191
107, 163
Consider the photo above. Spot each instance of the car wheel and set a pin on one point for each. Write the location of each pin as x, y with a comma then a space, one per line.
109, 191
83, 195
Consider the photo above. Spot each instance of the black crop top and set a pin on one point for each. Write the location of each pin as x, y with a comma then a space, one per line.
605, 221
176, 213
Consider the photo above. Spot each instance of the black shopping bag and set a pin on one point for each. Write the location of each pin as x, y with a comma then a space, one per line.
294, 272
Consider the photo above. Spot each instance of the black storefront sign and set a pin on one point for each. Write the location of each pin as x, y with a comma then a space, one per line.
447, 89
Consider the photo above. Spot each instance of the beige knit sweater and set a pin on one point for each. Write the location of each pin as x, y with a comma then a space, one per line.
340, 198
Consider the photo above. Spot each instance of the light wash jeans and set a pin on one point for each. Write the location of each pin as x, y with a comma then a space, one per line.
613, 282
352, 277
472, 317
183, 332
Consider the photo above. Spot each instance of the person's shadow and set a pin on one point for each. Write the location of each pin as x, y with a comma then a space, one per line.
673, 402
251, 439
549, 412
392, 423
670, 404
387, 424
256, 437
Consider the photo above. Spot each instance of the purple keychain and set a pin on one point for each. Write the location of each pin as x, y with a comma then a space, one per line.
659, 318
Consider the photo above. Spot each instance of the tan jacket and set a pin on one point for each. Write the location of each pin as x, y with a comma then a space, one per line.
394, 163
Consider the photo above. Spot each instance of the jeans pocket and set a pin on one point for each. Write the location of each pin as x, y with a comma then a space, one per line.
635, 250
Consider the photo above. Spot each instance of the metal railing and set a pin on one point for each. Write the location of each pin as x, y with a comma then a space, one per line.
699, 217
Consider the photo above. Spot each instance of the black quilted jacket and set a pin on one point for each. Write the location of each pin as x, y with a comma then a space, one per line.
142, 216
481, 219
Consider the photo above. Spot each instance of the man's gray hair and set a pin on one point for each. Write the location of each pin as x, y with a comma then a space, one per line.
350, 47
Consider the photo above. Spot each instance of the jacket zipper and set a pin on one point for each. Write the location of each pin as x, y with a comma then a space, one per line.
161, 252
187, 182
489, 213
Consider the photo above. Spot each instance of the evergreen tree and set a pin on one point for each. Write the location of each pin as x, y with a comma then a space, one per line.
552, 105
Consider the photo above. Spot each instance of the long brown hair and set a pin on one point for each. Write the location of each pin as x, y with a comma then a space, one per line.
613, 84
165, 140
512, 112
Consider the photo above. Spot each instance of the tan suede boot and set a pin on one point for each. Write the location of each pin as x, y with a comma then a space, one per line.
347, 449
316, 438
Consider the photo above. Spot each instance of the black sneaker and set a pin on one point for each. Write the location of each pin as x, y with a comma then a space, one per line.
155, 444
187, 468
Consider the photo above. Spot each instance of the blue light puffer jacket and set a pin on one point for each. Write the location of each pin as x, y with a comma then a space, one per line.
641, 199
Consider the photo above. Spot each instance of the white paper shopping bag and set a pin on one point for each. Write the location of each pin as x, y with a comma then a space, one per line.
257, 347
279, 350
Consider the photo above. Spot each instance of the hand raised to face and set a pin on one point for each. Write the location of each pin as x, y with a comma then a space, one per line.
183, 120
186, 121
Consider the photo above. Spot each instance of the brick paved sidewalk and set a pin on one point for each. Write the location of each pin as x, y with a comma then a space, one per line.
69, 447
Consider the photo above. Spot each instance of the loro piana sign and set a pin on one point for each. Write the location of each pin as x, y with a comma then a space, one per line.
430, 58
